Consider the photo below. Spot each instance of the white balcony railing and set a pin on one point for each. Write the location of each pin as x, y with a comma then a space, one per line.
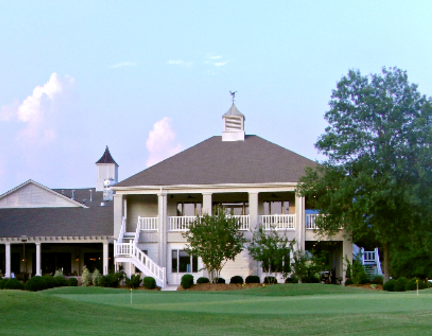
181, 223
244, 222
310, 221
148, 223
278, 222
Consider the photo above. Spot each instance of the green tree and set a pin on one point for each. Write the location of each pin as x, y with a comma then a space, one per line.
272, 250
377, 176
215, 239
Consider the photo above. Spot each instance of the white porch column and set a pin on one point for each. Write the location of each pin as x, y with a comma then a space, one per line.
8, 260
105, 258
300, 222
207, 204
253, 211
118, 213
347, 250
162, 228
38, 259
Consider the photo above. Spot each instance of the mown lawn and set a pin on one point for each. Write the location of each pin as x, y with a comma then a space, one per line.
275, 310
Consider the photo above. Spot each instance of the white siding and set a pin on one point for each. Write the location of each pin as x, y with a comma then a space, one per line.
33, 196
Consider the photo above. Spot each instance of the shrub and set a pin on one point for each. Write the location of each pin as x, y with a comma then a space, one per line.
292, 279
310, 279
58, 273
270, 280
389, 285
86, 277
96, 277
203, 280
378, 280
61, 281
149, 282
221, 280
237, 279
50, 281
111, 280
412, 284
134, 281
400, 284
13, 284
3, 282
187, 281
253, 279
35, 284
349, 282
72, 282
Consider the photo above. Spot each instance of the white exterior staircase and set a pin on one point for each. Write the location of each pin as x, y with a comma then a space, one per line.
130, 252
369, 259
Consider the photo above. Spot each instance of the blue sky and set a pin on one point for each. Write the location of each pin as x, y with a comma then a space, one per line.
150, 78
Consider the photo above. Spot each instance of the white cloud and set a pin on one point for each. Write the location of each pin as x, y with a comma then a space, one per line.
213, 57
180, 62
39, 111
217, 64
123, 64
161, 142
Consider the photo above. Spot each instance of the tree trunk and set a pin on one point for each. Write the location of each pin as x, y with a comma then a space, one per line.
386, 262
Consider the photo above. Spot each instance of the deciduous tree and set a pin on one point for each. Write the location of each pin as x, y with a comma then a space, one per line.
215, 239
377, 176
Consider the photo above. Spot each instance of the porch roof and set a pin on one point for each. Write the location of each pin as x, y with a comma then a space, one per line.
213, 161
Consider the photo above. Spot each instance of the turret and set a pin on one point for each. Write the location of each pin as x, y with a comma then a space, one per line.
107, 169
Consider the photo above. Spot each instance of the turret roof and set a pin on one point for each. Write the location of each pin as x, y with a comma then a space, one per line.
106, 157
233, 111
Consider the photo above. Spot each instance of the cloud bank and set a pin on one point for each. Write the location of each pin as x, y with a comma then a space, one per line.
161, 142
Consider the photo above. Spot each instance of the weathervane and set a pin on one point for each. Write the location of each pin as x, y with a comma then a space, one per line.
233, 95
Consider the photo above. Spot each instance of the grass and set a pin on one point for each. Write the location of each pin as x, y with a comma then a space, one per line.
275, 310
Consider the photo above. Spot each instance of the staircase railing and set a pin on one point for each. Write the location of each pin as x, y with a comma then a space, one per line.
142, 261
378, 262
122, 230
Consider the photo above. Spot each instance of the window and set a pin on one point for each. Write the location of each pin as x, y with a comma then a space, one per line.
236, 208
189, 209
276, 207
182, 262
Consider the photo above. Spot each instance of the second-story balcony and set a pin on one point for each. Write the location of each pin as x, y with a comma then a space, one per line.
278, 222
181, 223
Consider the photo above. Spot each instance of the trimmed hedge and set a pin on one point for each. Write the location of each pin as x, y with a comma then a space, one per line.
3, 282
292, 279
252, 279
13, 284
149, 282
111, 280
35, 284
221, 281
400, 284
236, 279
389, 285
187, 281
378, 280
203, 280
270, 280
134, 281
412, 284
50, 281
349, 282
72, 282
61, 281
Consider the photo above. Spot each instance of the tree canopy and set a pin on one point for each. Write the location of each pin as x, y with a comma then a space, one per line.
377, 177
216, 239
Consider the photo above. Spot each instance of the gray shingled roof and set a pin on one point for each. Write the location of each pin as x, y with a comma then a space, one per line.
213, 161
106, 157
35, 222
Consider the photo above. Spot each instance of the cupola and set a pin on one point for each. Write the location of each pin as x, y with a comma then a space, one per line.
107, 169
233, 123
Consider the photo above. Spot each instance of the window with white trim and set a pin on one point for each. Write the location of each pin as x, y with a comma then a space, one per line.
182, 262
